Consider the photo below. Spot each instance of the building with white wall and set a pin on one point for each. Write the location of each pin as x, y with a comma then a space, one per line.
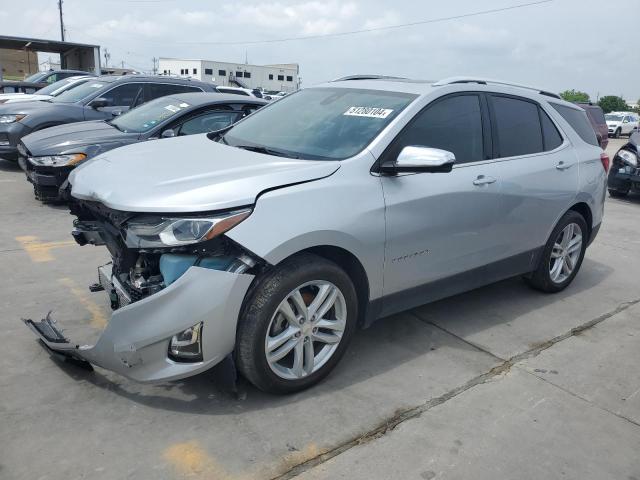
281, 77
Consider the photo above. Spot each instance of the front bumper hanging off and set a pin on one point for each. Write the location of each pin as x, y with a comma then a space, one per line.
135, 342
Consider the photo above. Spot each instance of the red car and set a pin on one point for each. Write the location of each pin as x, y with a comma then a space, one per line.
598, 122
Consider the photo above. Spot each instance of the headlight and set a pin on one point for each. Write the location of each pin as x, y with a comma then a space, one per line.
11, 118
160, 231
58, 160
628, 157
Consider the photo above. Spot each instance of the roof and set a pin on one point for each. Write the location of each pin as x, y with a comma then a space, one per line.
153, 79
203, 98
420, 87
37, 44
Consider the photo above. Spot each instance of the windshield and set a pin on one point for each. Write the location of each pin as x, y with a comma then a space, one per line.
319, 123
613, 118
60, 86
148, 115
36, 77
81, 92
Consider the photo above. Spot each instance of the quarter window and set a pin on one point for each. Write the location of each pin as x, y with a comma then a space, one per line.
453, 124
578, 121
517, 125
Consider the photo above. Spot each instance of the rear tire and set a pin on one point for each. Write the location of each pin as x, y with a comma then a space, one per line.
562, 255
279, 315
618, 193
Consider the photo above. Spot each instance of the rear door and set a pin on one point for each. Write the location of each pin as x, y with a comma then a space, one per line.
441, 224
538, 168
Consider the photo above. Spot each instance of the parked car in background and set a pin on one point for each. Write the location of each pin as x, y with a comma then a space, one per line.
49, 155
597, 119
37, 81
101, 98
45, 93
332, 207
247, 92
624, 175
622, 123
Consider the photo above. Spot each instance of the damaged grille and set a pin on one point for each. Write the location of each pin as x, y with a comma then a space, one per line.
135, 273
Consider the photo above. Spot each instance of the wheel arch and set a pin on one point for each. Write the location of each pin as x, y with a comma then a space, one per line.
583, 209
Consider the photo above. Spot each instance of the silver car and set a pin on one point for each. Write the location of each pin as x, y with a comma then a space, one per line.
274, 240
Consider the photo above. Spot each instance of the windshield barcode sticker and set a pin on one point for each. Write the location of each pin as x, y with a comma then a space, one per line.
371, 112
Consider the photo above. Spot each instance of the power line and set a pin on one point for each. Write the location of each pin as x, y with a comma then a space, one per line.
367, 30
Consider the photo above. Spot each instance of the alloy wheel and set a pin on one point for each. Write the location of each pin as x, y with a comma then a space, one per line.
305, 330
565, 253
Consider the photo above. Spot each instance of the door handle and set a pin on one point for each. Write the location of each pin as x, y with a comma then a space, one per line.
563, 166
482, 180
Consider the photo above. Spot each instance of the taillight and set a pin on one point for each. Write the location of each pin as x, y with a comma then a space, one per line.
604, 158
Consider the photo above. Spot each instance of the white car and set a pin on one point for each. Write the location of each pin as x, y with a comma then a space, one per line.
45, 93
247, 92
621, 123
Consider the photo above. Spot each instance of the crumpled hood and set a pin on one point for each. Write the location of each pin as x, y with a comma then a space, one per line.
187, 174
73, 138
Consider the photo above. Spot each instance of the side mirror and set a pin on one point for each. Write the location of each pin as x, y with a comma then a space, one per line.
416, 159
100, 102
168, 133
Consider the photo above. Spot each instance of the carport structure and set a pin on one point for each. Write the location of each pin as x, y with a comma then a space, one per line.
76, 56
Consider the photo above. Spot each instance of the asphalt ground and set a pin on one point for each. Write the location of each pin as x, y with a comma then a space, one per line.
501, 382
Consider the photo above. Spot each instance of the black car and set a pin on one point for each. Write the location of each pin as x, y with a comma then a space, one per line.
48, 156
99, 99
624, 174
37, 81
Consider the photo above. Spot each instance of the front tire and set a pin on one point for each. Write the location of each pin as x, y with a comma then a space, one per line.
562, 255
617, 134
296, 324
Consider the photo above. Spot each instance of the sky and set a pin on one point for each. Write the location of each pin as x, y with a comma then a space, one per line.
562, 44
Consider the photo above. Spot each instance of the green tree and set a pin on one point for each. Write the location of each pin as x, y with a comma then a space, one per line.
612, 103
575, 96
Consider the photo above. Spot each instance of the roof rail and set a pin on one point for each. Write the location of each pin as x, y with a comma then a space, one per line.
367, 77
485, 81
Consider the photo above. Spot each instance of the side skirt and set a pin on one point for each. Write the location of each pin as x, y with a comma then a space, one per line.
520, 264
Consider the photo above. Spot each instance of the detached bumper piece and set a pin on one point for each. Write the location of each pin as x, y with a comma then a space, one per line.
55, 342
202, 305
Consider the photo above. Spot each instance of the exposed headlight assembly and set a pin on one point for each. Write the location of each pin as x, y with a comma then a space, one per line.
628, 157
58, 160
11, 118
161, 231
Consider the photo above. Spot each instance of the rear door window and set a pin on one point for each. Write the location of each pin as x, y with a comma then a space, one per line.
578, 121
453, 124
517, 126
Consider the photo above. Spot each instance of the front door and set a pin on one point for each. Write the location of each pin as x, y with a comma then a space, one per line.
441, 224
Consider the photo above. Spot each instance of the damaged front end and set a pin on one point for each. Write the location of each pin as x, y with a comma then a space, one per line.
176, 285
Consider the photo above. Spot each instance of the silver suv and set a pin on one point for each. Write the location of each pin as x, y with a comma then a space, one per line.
333, 207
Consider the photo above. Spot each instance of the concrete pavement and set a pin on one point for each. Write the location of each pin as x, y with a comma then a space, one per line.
495, 383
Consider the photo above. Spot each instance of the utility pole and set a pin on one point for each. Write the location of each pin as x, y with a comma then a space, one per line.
155, 65
107, 56
61, 21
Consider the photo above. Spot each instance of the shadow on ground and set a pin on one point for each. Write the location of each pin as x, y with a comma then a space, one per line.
386, 345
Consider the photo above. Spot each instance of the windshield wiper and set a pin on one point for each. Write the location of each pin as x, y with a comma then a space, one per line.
268, 151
